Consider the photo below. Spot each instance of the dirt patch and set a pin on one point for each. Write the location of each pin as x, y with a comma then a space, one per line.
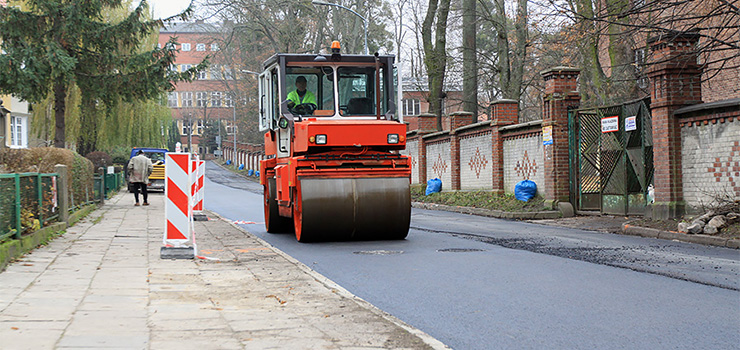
671, 225
600, 223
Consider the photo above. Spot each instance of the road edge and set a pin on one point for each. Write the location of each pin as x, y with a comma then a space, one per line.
426, 338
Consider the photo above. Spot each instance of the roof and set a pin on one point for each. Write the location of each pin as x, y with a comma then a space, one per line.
191, 27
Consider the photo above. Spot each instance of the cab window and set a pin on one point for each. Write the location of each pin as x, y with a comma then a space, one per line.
357, 91
319, 89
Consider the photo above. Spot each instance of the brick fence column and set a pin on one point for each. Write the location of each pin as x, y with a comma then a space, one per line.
675, 82
427, 124
457, 119
561, 93
503, 113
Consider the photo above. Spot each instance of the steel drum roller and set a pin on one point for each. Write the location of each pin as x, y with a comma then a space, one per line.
354, 208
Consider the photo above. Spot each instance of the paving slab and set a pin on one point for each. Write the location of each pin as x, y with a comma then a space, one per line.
103, 285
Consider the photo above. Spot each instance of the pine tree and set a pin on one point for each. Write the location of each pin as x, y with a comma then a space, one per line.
54, 44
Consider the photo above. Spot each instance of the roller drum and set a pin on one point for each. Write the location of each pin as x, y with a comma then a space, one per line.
353, 209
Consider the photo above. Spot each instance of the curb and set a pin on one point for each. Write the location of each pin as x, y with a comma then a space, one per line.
426, 338
235, 172
682, 237
489, 212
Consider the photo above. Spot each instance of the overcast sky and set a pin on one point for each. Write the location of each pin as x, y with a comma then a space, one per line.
166, 8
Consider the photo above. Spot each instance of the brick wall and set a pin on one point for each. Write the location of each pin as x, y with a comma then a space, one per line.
439, 160
710, 152
524, 160
475, 160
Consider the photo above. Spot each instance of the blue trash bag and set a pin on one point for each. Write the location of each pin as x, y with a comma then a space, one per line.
433, 186
241, 166
250, 172
228, 162
525, 190
257, 173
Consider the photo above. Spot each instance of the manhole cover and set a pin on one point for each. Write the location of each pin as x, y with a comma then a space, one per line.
460, 250
379, 252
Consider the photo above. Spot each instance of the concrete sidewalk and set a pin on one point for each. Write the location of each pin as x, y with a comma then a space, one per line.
103, 285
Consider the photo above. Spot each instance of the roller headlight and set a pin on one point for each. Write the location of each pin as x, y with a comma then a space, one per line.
320, 139
392, 138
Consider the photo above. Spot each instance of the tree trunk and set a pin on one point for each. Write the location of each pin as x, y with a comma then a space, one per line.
502, 48
520, 52
436, 55
60, 94
470, 66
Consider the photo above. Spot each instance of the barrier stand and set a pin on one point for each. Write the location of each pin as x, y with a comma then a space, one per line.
178, 240
199, 172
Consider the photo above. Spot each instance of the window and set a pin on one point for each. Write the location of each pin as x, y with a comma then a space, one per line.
183, 127
214, 47
216, 99
169, 46
173, 68
186, 99
185, 47
216, 72
357, 91
184, 67
319, 83
411, 106
639, 64
172, 99
18, 132
201, 99
202, 75
228, 101
228, 74
200, 47
199, 127
230, 128
159, 45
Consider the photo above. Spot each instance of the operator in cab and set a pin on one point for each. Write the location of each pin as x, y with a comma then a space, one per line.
302, 97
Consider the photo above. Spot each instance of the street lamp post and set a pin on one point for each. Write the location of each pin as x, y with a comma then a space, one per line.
364, 21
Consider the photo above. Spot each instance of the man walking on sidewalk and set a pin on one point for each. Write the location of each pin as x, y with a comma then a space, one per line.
139, 169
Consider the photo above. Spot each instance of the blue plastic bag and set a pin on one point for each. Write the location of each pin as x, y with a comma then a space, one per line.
228, 162
241, 166
525, 190
433, 186
250, 172
257, 173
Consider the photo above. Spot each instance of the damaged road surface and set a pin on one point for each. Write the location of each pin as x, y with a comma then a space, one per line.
483, 283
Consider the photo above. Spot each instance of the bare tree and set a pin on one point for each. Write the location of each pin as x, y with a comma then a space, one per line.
435, 52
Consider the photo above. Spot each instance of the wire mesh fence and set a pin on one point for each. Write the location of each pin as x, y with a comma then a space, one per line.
28, 201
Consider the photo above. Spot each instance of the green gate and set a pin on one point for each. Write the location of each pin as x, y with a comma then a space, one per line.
611, 158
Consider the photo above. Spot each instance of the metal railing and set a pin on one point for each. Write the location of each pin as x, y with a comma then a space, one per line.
27, 202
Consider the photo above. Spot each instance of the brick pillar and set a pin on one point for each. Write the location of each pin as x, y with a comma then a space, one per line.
561, 93
427, 124
457, 119
503, 113
675, 80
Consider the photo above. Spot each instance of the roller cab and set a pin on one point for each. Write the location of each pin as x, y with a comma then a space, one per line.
332, 169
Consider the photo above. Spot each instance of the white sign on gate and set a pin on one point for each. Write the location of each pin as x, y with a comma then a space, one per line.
610, 124
630, 123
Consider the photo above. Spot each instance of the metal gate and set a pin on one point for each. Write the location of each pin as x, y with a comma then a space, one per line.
611, 158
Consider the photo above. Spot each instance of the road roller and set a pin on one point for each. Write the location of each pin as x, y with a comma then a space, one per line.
332, 169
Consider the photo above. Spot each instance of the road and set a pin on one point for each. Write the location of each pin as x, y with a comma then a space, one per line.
483, 283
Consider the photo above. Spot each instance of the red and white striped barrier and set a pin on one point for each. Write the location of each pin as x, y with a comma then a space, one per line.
178, 211
199, 170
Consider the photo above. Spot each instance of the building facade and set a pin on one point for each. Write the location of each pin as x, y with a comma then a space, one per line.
214, 95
